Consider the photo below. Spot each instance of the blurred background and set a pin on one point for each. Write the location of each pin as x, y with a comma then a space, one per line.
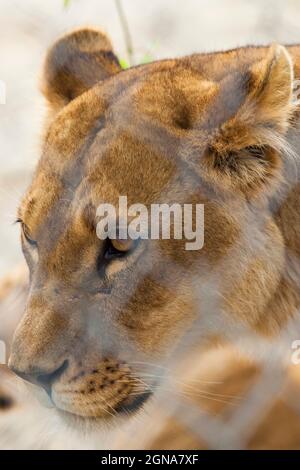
159, 29
242, 405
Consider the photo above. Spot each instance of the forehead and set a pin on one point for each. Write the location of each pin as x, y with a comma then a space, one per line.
115, 139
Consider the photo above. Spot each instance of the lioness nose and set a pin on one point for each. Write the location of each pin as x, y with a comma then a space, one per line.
40, 377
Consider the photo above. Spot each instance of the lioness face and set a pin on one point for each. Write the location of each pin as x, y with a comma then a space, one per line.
102, 315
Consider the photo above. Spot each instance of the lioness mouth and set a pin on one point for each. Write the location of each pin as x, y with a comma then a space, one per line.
134, 405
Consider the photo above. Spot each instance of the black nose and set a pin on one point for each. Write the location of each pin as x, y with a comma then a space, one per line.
40, 377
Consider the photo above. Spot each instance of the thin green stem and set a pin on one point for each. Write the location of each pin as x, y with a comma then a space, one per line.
126, 31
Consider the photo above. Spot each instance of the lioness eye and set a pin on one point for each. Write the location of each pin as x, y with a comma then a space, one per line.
117, 248
27, 236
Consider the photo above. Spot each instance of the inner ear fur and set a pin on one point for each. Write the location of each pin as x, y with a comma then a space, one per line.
245, 149
75, 63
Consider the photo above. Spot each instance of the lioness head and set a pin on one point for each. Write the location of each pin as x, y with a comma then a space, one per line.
102, 315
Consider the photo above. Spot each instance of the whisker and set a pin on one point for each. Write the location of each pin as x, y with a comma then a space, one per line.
194, 392
169, 369
191, 387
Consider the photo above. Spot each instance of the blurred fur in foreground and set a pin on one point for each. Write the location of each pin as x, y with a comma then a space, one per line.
221, 400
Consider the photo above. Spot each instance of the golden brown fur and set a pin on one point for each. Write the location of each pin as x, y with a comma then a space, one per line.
218, 129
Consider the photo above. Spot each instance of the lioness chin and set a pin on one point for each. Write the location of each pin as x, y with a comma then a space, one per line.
103, 319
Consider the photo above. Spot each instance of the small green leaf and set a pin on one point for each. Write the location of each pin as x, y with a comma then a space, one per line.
67, 3
124, 64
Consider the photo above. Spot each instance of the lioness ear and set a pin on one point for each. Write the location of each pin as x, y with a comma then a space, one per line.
75, 63
271, 86
246, 146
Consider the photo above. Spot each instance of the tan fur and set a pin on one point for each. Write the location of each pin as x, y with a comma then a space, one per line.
216, 385
218, 129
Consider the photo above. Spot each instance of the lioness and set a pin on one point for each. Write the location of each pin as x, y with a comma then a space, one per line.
104, 317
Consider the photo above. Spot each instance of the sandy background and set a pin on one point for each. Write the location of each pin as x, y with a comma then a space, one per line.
160, 28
